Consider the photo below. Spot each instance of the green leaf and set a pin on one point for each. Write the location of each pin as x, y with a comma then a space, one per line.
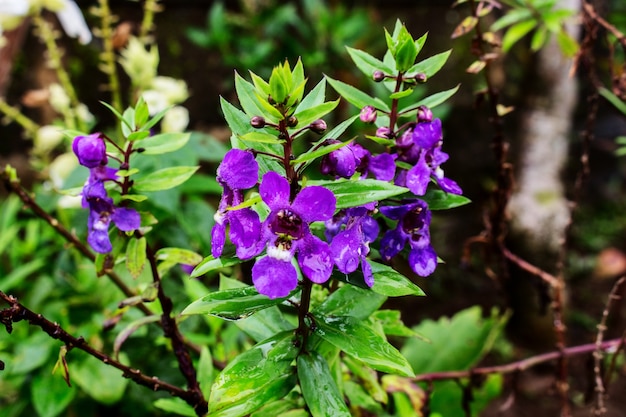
164, 143
279, 87
392, 323
539, 38
517, 32
260, 137
568, 45
138, 135
178, 256
176, 406
306, 116
211, 264
351, 193
117, 114
468, 24
456, 343
613, 99
389, 282
367, 63
356, 96
429, 66
232, 304
129, 118
138, 198
254, 378
401, 94
101, 382
164, 179
238, 121
315, 97
316, 153
440, 200
141, 112
512, 17
406, 52
260, 84
430, 101
205, 370
319, 389
50, 394
136, 256
156, 119
350, 300
361, 341
250, 102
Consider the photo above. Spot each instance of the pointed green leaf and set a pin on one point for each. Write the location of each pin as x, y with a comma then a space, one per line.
356, 96
279, 88
138, 135
232, 304
511, 17
429, 66
350, 300
50, 395
141, 112
175, 406
238, 121
250, 103
517, 32
367, 63
613, 99
164, 179
210, 264
361, 341
430, 101
306, 116
179, 256
260, 137
156, 119
254, 378
164, 143
352, 193
117, 114
401, 94
389, 282
319, 389
313, 154
440, 200
260, 84
315, 97
136, 256
406, 52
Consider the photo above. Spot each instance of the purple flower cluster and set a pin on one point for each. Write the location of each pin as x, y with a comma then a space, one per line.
91, 153
346, 161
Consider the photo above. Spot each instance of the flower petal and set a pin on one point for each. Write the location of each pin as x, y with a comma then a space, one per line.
273, 277
314, 259
418, 177
239, 170
345, 250
245, 232
218, 238
383, 167
274, 190
423, 261
368, 275
449, 186
392, 243
98, 232
314, 203
90, 150
126, 219
426, 135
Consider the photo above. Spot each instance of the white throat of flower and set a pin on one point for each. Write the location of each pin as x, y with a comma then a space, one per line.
279, 252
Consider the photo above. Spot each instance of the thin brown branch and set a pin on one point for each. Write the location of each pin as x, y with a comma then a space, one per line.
17, 312
599, 408
548, 278
591, 12
521, 365
15, 187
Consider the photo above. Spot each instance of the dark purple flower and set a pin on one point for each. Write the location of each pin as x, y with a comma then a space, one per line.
286, 233
90, 150
101, 213
352, 230
412, 228
238, 171
368, 114
424, 151
344, 162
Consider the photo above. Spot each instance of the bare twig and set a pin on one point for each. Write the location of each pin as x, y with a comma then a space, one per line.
17, 312
599, 408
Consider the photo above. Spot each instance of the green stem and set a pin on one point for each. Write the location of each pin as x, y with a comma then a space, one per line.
17, 116
108, 55
151, 7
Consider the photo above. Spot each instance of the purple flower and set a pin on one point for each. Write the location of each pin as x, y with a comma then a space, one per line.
424, 151
352, 230
101, 213
345, 161
413, 227
238, 171
90, 150
286, 233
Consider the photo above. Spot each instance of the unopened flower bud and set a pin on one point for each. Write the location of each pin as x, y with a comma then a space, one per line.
257, 122
292, 121
368, 114
378, 76
420, 78
90, 150
318, 126
384, 132
424, 114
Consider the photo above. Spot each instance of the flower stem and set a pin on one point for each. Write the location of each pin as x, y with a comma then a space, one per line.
108, 56
17, 116
150, 8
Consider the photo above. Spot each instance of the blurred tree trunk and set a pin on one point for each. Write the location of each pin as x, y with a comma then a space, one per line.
538, 207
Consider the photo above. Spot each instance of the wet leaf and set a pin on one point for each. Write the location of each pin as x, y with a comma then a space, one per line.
318, 387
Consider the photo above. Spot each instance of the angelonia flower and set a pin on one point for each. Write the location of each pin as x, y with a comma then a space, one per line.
351, 231
346, 161
413, 227
368, 114
238, 171
91, 153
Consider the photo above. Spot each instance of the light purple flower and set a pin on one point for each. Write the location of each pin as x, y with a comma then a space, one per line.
368, 114
238, 171
412, 228
90, 150
352, 230
285, 233
101, 213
